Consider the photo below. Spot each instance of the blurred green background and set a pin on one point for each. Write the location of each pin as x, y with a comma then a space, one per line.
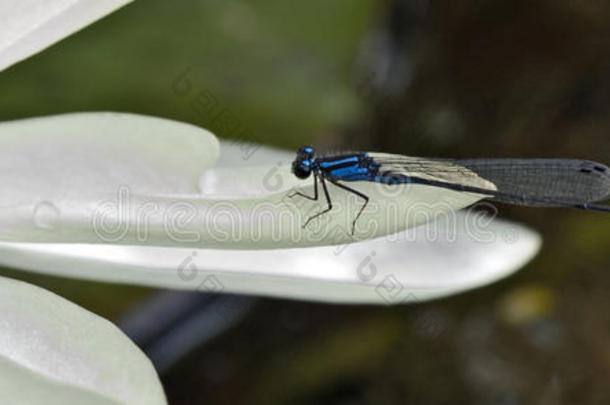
455, 79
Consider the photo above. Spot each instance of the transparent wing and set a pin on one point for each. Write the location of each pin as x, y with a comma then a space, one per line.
537, 182
444, 170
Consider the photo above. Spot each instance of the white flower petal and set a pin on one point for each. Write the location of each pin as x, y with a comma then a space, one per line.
457, 252
54, 352
29, 26
129, 179
449, 256
90, 154
247, 154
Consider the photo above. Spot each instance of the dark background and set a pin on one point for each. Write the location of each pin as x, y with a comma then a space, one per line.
454, 78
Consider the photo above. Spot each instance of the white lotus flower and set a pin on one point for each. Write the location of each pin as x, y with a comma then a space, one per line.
58, 172
113, 197
29, 26
54, 352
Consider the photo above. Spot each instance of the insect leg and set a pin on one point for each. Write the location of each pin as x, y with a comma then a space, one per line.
359, 194
315, 190
330, 204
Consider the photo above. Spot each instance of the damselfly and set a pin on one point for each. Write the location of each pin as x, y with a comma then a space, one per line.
531, 182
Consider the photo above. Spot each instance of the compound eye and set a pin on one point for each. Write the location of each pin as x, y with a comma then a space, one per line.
306, 151
301, 169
